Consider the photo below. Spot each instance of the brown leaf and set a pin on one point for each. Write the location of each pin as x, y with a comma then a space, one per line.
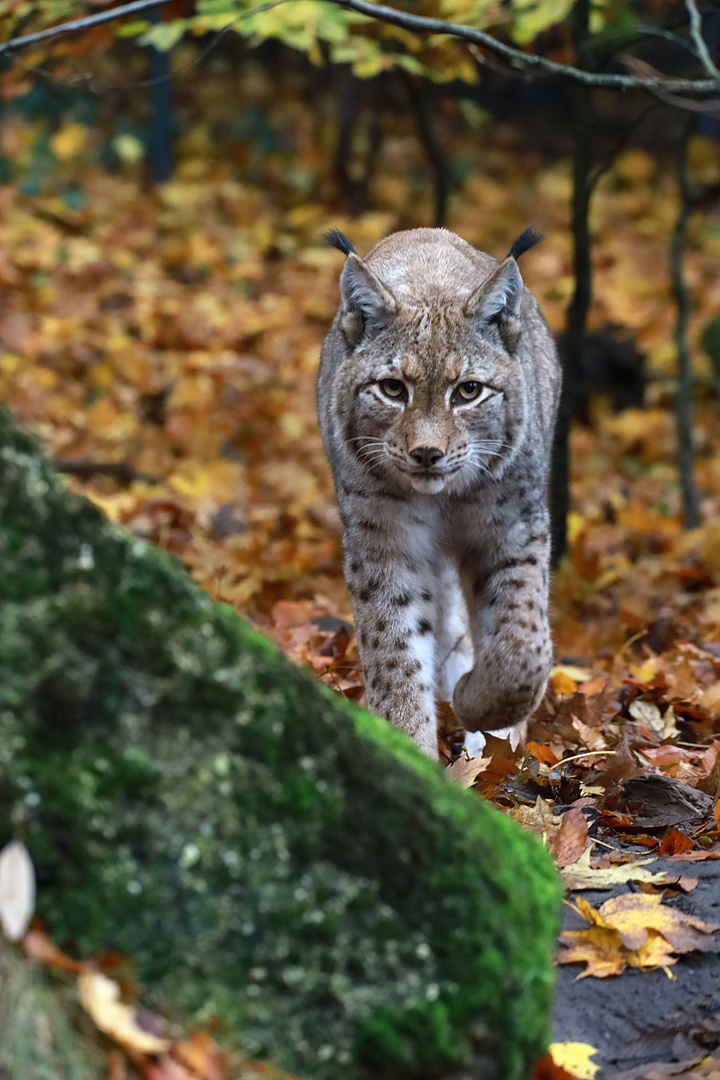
539, 819
546, 1069
569, 842
620, 766
636, 930
202, 1056
465, 770
38, 946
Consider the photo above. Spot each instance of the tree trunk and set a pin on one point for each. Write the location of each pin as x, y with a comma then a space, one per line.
683, 401
582, 127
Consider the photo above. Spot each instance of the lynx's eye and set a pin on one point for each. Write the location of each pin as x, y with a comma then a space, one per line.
467, 391
394, 389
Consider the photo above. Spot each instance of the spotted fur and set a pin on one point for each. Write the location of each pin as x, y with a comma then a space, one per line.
443, 499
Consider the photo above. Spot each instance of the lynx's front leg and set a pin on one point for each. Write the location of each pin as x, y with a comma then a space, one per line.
389, 559
507, 595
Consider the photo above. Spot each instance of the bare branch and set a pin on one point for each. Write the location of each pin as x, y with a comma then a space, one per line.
642, 69
698, 40
683, 404
523, 60
76, 26
530, 63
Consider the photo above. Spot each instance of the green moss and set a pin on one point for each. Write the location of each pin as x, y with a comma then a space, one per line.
267, 854
45, 1034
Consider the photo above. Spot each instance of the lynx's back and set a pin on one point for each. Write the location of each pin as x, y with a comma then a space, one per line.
437, 397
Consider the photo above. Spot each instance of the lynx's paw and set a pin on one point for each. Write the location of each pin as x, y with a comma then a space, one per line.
481, 706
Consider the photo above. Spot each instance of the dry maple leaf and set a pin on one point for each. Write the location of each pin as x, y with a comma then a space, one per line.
633, 930
465, 770
582, 875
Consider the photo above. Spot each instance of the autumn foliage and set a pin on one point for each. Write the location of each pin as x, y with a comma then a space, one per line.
163, 344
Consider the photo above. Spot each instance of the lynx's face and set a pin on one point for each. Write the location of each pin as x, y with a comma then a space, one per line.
432, 404
432, 395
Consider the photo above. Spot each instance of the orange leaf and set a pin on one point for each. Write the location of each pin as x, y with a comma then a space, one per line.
203, 1056
38, 946
593, 686
542, 753
546, 1069
675, 843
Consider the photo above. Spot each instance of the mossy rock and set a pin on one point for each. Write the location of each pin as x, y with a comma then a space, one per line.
272, 858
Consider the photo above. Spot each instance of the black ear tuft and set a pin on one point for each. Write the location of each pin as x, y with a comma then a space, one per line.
524, 242
338, 240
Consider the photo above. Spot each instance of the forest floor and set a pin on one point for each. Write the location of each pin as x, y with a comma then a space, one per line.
163, 346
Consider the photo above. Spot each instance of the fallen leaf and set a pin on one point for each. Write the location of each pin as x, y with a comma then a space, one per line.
581, 875
634, 914
38, 946
648, 714
202, 1056
99, 996
564, 679
695, 856
17, 890
593, 687
675, 843
575, 1057
633, 930
598, 948
569, 842
547, 1069
542, 753
539, 819
465, 770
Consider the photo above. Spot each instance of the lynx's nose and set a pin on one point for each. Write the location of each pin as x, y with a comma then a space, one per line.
426, 456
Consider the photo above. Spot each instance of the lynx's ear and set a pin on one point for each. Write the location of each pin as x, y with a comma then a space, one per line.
367, 304
497, 301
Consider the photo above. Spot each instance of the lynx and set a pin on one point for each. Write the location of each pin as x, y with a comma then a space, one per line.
437, 396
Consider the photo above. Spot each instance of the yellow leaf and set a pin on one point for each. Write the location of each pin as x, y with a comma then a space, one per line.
575, 525
565, 678
99, 996
69, 141
634, 914
635, 166
575, 1058
654, 953
128, 148
646, 671
581, 875
636, 930
601, 949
